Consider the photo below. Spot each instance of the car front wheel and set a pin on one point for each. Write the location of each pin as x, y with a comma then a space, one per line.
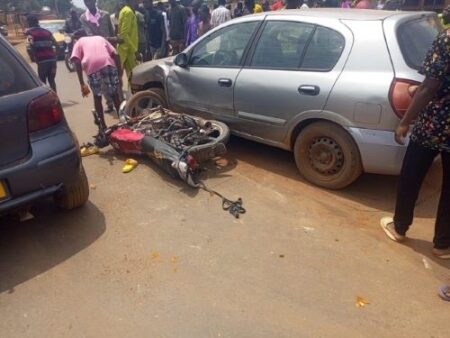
74, 195
146, 99
327, 156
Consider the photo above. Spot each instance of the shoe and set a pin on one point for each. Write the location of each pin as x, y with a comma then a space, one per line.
130, 164
441, 253
88, 150
388, 226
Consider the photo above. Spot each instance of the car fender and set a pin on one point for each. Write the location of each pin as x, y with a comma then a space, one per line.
155, 71
301, 120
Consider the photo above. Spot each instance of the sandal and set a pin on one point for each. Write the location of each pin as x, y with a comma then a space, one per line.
87, 150
444, 293
387, 224
130, 164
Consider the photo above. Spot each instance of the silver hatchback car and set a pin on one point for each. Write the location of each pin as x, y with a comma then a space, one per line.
328, 84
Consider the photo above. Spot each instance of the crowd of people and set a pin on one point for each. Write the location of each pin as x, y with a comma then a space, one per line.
141, 31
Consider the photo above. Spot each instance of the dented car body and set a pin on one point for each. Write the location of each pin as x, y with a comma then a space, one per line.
328, 84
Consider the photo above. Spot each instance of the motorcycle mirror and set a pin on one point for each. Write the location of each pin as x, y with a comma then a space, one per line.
181, 60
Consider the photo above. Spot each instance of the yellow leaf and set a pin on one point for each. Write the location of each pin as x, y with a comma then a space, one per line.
361, 302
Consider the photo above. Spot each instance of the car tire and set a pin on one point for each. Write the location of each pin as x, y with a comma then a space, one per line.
162, 94
74, 195
155, 94
327, 156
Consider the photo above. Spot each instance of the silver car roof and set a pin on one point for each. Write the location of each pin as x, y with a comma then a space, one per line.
345, 14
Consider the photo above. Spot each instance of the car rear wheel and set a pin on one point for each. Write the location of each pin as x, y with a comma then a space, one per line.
144, 100
74, 195
327, 156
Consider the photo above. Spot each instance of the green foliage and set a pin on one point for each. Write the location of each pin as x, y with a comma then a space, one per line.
107, 5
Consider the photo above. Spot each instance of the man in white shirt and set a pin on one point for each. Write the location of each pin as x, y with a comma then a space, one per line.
220, 14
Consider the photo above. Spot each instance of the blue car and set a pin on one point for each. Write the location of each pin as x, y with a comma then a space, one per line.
39, 154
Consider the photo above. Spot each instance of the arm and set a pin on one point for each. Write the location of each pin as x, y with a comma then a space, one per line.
424, 94
119, 66
79, 70
435, 69
30, 41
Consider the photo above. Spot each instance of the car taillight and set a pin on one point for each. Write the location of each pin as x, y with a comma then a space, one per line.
401, 94
44, 111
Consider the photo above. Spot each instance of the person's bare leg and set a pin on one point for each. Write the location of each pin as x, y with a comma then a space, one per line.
99, 109
116, 100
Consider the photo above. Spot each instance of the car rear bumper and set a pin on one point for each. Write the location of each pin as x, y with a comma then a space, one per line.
54, 161
380, 154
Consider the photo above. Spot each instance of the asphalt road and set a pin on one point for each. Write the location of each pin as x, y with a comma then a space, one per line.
150, 257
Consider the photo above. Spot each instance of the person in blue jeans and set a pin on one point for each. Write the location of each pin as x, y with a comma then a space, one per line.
430, 137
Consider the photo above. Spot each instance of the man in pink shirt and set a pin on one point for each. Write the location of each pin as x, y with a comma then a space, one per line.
100, 61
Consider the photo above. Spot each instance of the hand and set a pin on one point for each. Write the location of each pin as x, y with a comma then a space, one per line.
138, 56
85, 91
401, 132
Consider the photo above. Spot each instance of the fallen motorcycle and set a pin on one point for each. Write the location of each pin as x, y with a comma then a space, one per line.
178, 143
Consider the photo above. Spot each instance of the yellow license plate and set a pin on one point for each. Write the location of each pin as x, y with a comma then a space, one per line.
3, 192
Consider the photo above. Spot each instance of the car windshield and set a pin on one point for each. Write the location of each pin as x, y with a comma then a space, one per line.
53, 27
416, 37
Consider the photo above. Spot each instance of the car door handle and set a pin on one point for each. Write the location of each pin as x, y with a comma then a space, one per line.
309, 90
225, 82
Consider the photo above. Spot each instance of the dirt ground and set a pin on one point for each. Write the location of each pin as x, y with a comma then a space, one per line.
150, 257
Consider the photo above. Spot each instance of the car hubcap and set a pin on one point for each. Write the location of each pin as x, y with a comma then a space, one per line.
325, 156
143, 104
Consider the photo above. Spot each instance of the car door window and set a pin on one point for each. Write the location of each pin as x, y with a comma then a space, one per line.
324, 50
223, 48
14, 78
281, 45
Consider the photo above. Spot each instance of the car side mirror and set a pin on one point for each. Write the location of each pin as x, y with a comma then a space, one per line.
181, 60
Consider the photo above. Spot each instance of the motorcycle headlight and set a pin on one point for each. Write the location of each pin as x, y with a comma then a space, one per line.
67, 39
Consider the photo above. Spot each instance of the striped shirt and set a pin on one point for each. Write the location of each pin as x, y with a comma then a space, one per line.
41, 42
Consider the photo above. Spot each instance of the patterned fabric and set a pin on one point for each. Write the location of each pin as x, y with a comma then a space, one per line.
105, 81
219, 16
42, 44
432, 128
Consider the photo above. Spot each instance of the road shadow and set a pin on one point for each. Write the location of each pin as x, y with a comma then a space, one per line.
424, 248
28, 249
215, 168
69, 103
374, 191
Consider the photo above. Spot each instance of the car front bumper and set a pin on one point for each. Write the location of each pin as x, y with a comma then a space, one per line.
380, 154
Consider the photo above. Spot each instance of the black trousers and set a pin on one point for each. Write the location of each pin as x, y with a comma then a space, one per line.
416, 164
47, 73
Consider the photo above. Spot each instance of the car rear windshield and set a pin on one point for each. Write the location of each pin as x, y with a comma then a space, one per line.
13, 76
416, 37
